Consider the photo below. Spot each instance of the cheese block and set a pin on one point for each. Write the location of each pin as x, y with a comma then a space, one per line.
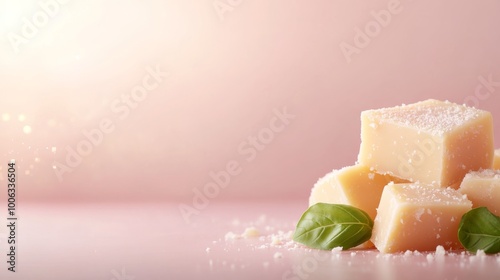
355, 185
496, 162
419, 217
434, 142
483, 189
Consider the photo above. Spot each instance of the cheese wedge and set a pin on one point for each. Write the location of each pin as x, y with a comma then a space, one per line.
418, 217
434, 142
483, 189
355, 185
496, 162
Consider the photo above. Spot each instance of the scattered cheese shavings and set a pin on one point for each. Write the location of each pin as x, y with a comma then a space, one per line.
276, 240
430, 257
440, 251
337, 249
278, 255
248, 233
480, 253
251, 232
231, 236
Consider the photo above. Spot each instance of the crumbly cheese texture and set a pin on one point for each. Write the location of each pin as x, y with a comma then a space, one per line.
419, 217
496, 161
483, 189
434, 142
355, 185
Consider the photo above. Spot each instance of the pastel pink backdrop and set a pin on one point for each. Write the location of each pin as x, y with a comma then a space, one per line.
227, 76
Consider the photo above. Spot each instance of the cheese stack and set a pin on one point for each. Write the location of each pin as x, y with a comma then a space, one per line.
355, 185
433, 144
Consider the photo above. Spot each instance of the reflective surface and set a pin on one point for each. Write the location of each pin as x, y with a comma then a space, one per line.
152, 241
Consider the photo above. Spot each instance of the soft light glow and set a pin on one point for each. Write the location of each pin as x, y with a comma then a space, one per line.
27, 129
5, 117
11, 13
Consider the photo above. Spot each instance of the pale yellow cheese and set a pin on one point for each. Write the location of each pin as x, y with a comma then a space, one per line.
483, 189
434, 142
496, 162
418, 217
355, 185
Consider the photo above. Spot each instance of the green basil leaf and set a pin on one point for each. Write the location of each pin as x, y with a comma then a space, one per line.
479, 229
326, 226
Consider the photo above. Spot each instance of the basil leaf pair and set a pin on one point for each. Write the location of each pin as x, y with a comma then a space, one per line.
326, 226
479, 229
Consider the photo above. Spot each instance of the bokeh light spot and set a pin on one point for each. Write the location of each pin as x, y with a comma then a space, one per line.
5, 117
27, 129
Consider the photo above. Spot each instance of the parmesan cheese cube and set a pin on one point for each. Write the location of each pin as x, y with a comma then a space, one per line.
434, 142
418, 217
496, 162
483, 189
357, 186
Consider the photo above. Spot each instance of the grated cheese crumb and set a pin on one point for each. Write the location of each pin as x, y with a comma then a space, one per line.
337, 249
440, 251
251, 232
231, 236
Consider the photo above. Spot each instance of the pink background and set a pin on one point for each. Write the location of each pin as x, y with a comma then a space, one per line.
226, 78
